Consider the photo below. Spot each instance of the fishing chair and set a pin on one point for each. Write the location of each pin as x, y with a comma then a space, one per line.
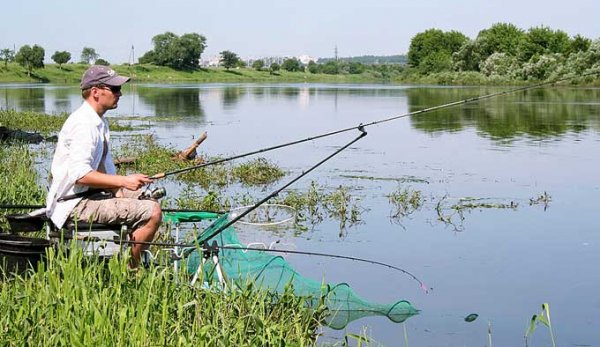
105, 240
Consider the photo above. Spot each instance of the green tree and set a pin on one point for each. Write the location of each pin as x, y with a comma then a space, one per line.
30, 58
313, 67
291, 64
355, 68
431, 50
579, 44
331, 67
101, 61
543, 40
177, 52
258, 65
499, 38
88, 55
274, 67
61, 57
229, 59
7, 55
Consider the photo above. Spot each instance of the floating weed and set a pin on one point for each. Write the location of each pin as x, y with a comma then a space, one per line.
256, 172
192, 199
405, 201
542, 199
316, 203
544, 318
151, 158
342, 206
403, 179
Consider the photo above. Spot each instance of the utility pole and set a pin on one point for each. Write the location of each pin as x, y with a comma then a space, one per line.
336, 53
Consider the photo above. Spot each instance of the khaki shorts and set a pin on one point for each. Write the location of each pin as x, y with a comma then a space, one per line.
106, 209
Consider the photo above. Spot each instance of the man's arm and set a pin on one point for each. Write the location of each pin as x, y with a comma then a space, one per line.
96, 179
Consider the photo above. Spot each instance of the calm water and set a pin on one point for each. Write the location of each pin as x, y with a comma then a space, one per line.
500, 263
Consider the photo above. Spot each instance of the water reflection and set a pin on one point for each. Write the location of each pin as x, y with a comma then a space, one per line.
537, 113
170, 101
25, 99
540, 113
232, 95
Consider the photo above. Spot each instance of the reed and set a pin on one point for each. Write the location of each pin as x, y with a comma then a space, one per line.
102, 303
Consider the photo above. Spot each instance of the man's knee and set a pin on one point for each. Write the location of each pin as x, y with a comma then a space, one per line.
156, 212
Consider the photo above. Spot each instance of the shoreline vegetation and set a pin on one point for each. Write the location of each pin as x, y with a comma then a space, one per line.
70, 74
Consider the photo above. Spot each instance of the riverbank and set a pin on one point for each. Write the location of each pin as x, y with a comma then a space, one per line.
71, 74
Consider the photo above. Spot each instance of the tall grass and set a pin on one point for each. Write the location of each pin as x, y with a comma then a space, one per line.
43, 123
103, 304
18, 181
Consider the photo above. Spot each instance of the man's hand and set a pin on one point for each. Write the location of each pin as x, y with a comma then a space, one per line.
135, 181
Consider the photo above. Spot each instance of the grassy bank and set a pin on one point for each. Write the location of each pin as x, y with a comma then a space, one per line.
71, 74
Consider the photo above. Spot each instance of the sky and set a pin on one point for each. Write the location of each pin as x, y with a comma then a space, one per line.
260, 28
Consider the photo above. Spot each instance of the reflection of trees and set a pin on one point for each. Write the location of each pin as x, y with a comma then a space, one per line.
232, 95
172, 101
62, 102
538, 113
25, 99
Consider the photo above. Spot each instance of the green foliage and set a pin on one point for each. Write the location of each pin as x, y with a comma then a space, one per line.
102, 304
542, 40
88, 55
7, 55
41, 122
30, 58
405, 201
313, 67
274, 67
258, 65
61, 57
170, 50
292, 65
18, 178
501, 64
101, 61
579, 44
431, 50
229, 59
544, 318
257, 172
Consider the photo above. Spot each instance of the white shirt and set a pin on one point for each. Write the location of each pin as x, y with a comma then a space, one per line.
80, 148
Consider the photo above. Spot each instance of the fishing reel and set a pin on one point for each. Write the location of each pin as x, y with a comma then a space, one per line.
153, 194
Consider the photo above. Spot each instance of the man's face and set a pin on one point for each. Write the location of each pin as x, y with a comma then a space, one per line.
108, 97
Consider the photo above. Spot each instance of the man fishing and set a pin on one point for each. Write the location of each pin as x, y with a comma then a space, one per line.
82, 160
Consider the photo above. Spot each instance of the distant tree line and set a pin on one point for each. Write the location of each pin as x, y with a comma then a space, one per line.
32, 57
504, 51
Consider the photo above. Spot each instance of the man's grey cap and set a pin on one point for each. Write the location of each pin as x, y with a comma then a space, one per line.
100, 74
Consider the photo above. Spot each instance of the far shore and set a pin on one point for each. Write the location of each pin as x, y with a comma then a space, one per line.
70, 74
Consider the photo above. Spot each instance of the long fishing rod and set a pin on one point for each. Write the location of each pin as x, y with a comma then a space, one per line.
335, 132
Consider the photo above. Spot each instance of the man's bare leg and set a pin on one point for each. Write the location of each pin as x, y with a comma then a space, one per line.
145, 233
